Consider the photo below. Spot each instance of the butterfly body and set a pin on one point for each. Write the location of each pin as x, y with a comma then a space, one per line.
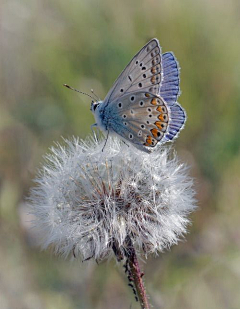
142, 105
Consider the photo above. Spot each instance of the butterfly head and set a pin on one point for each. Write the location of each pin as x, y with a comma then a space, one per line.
94, 106
97, 108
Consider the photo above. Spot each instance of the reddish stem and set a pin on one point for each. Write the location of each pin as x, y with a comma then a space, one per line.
132, 265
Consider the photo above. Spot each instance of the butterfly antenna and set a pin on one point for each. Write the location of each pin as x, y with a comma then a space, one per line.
95, 95
65, 85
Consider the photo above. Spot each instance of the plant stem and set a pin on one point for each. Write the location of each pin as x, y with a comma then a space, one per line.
135, 275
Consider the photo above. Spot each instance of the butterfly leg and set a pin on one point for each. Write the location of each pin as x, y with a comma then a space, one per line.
125, 143
96, 136
105, 141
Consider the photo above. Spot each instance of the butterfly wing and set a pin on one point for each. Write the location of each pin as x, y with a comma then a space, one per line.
144, 119
143, 73
169, 91
141, 118
169, 88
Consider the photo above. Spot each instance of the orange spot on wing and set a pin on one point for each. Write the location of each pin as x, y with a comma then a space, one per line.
147, 95
155, 132
153, 80
149, 140
161, 125
163, 117
153, 70
154, 101
158, 124
162, 109
159, 109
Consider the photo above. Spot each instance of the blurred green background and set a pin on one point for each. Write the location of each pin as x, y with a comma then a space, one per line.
87, 43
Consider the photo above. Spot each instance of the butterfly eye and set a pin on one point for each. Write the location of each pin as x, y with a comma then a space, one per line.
94, 105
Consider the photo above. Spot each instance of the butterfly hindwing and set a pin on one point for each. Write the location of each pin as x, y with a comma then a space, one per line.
141, 118
176, 122
143, 73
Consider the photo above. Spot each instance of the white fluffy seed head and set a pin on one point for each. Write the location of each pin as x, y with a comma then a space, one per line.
87, 201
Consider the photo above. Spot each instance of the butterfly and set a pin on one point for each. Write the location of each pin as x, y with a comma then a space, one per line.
142, 107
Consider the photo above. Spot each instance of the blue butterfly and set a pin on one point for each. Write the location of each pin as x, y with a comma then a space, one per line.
142, 107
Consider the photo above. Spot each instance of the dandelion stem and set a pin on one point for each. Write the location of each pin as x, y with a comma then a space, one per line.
135, 275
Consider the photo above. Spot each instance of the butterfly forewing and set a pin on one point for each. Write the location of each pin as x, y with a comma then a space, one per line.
169, 89
143, 73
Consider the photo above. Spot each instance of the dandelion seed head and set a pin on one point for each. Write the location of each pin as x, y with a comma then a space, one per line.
87, 201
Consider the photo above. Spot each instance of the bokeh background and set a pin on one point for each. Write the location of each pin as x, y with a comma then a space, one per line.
87, 43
